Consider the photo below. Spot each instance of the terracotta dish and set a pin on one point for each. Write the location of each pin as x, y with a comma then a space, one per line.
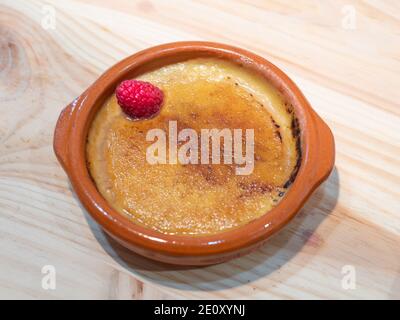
316, 145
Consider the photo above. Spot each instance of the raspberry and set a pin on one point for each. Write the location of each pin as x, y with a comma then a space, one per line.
139, 99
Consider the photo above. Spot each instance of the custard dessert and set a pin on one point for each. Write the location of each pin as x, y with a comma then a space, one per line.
197, 198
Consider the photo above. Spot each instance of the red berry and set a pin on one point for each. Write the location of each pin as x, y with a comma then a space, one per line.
139, 99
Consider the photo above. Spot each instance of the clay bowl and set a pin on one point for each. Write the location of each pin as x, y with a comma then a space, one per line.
317, 147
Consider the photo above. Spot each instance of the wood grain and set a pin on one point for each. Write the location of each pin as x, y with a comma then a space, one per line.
350, 76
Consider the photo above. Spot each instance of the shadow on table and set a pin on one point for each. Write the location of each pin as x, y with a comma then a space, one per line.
278, 251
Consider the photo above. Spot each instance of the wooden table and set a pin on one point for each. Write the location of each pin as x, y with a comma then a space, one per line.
344, 55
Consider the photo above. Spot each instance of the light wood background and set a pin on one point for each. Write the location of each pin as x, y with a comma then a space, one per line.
348, 69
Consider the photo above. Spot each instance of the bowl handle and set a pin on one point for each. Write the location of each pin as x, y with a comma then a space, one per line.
326, 147
61, 136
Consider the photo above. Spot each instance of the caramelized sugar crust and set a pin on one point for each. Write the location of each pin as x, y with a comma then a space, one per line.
196, 199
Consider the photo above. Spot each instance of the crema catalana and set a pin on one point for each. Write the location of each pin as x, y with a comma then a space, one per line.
137, 167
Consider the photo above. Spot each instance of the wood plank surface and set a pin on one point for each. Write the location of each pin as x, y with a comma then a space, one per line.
344, 55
